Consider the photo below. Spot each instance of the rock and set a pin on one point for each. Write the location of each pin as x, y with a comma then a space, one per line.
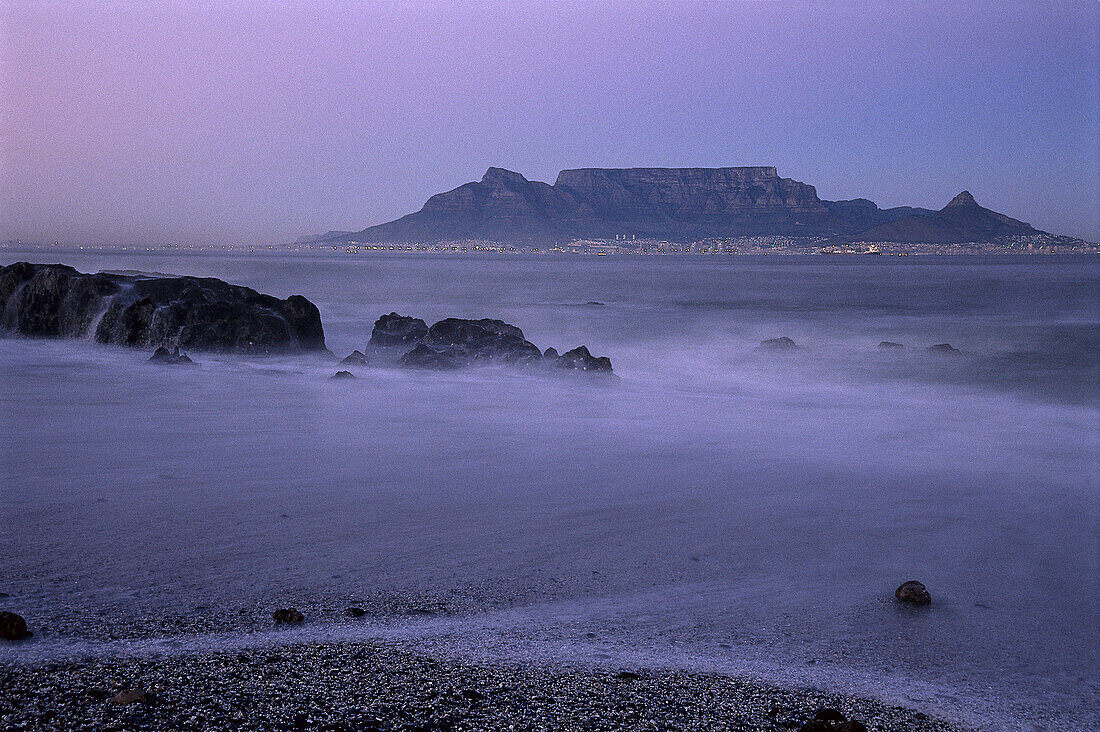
170, 358
287, 615
628, 676
130, 696
942, 348
397, 331
343, 375
913, 592
12, 626
595, 304
579, 359
782, 343
890, 344
356, 612
472, 694
423, 357
550, 354
827, 714
481, 341
148, 311
355, 358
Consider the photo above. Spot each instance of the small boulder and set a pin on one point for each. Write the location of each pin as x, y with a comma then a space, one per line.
287, 615
169, 358
13, 626
397, 331
913, 593
579, 359
550, 354
343, 375
942, 348
890, 345
826, 714
356, 612
783, 343
355, 358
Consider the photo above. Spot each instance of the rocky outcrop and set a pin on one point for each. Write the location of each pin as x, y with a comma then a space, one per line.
13, 626
53, 300
677, 204
455, 343
355, 358
397, 331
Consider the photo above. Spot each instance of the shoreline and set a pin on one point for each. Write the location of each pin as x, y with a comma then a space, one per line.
374, 685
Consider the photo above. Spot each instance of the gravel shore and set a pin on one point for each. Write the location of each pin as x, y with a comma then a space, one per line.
377, 686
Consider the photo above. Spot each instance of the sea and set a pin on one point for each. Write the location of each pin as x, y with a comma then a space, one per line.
718, 508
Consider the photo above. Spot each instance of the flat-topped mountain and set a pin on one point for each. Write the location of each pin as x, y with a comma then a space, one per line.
674, 204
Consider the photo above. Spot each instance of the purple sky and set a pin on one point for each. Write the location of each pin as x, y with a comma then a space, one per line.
140, 122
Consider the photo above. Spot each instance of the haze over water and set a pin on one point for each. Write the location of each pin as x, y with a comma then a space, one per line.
719, 509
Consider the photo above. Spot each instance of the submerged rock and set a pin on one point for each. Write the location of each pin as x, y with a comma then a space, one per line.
53, 300
913, 593
170, 358
355, 358
393, 331
343, 375
484, 341
550, 354
942, 348
13, 626
890, 345
783, 343
287, 615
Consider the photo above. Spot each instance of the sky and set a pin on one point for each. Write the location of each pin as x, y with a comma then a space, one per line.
254, 123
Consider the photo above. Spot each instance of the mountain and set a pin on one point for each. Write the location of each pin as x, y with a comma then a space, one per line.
674, 204
960, 221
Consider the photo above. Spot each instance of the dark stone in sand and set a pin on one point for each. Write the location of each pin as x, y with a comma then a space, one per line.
393, 330
890, 344
942, 348
595, 304
481, 341
826, 714
169, 358
913, 592
472, 694
287, 615
130, 696
343, 375
355, 358
579, 359
783, 343
12, 626
356, 612
628, 675
423, 357
138, 310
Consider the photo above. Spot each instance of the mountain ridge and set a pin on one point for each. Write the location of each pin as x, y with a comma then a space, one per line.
674, 204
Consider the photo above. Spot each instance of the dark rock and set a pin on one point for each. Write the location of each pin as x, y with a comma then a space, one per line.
423, 357
628, 675
12, 626
169, 358
130, 696
816, 725
942, 348
550, 354
890, 344
287, 615
150, 311
851, 725
481, 341
343, 375
782, 343
595, 304
356, 612
579, 359
472, 694
394, 331
913, 592
355, 358
827, 714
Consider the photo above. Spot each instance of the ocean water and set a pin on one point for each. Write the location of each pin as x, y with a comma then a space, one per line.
719, 508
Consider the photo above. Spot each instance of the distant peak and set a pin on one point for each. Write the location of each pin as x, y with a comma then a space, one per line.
500, 174
963, 199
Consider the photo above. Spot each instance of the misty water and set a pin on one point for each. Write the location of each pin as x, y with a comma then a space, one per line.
718, 509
